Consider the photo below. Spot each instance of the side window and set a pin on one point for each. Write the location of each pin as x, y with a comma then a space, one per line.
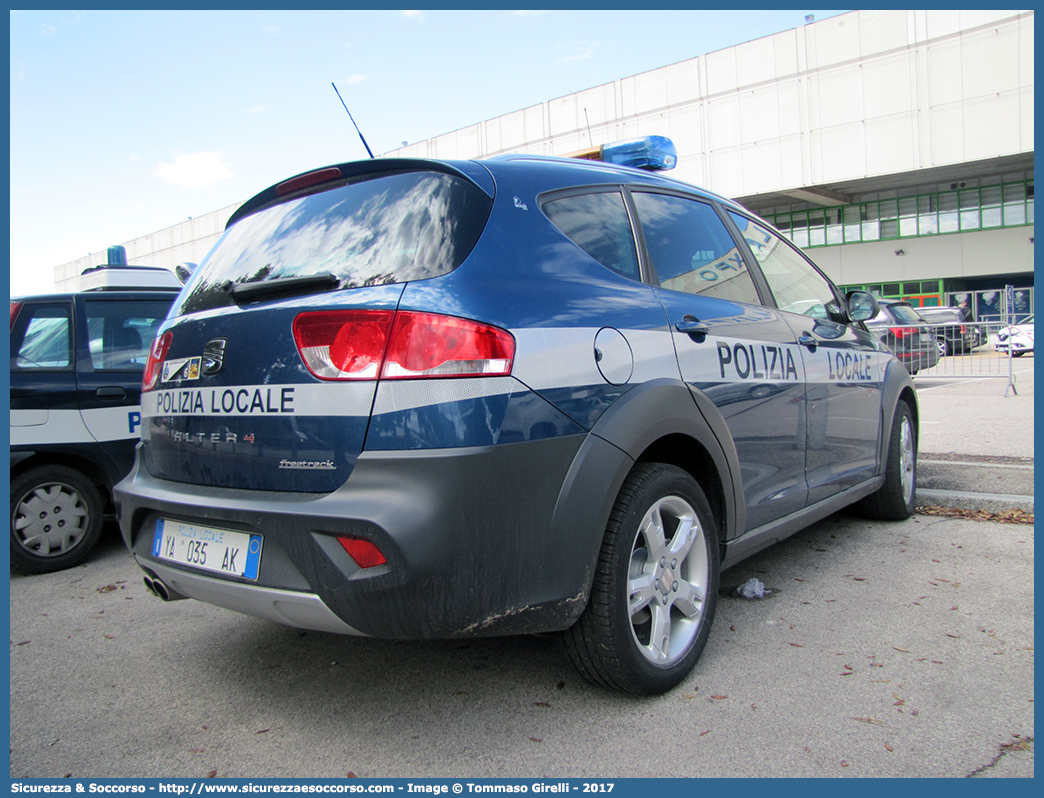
797, 286
598, 224
42, 338
122, 332
691, 248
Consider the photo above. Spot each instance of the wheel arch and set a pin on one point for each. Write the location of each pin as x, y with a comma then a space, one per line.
898, 387
96, 473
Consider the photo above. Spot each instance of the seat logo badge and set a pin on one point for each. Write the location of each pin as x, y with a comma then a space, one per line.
214, 356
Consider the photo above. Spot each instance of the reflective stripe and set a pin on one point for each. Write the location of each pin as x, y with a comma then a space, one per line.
72, 426
314, 399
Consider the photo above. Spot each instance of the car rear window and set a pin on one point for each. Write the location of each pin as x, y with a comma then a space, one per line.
906, 314
388, 229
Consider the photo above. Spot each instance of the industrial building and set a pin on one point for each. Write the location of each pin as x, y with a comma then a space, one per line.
895, 147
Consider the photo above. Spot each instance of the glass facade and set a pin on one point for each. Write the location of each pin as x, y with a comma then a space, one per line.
960, 210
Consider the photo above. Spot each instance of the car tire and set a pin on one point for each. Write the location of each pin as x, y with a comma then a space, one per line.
56, 518
1017, 354
655, 587
894, 500
944, 346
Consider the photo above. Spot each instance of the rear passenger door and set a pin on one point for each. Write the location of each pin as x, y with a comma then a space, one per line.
110, 362
43, 379
743, 355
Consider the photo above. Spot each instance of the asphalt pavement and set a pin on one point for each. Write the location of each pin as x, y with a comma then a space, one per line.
976, 441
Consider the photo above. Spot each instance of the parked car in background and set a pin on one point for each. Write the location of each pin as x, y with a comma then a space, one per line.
1018, 338
953, 329
436, 399
76, 366
899, 327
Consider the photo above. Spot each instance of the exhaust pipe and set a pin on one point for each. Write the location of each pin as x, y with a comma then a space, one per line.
157, 588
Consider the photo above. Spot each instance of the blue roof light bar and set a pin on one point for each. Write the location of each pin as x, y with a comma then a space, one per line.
655, 153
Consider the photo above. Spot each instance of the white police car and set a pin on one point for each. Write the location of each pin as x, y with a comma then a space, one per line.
76, 366
419, 399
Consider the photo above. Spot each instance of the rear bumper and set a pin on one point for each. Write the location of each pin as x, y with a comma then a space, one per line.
469, 535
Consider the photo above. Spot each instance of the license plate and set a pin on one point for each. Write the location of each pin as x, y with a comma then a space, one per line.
220, 550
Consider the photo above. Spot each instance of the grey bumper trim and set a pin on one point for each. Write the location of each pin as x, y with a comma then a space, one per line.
288, 607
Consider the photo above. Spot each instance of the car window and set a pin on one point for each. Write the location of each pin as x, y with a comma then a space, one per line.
905, 313
599, 225
121, 332
691, 248
388, 229
43, 338
796, 285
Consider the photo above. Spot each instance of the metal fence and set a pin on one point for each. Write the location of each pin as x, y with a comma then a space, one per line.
967, 350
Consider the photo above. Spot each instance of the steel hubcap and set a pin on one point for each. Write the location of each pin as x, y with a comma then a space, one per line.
50, 520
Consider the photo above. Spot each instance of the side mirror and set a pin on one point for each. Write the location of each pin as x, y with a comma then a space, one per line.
861, 306
184, 271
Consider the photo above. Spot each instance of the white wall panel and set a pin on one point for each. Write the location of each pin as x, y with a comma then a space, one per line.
889, 85
791, 161
761, 166
943, 23
836, 97
947, 135
785, 53
891, 144
759, 115
721, 71
651, 88
945, 70
683, 82
881, 31
990, 62
755, 62
991, 127
839, 153
833, 41
724, 122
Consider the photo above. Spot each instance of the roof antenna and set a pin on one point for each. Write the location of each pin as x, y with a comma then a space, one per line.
339, 97
589, 136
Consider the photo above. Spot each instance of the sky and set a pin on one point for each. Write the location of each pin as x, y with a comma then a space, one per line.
124, 123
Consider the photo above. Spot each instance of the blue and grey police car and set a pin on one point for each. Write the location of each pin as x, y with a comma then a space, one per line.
432, 399
76, 366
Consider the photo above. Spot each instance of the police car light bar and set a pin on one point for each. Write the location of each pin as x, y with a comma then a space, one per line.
651, 152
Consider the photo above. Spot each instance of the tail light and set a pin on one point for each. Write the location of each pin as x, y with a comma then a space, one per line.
157, 354
15, 307
395, 345
902, 332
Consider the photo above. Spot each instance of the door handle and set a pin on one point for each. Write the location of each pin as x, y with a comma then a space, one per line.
693, 327
806, 339
113, 392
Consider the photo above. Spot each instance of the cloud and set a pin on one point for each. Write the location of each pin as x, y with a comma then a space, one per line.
256, 109
194, 170
413, 14
20, 73
271, 29
357, 78
48, 30
131, 211
586, 51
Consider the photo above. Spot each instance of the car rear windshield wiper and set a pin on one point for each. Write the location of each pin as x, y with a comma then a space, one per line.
286, 286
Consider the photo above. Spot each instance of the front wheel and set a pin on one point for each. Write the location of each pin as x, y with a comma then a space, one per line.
894, 500
655, 587
56, 518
